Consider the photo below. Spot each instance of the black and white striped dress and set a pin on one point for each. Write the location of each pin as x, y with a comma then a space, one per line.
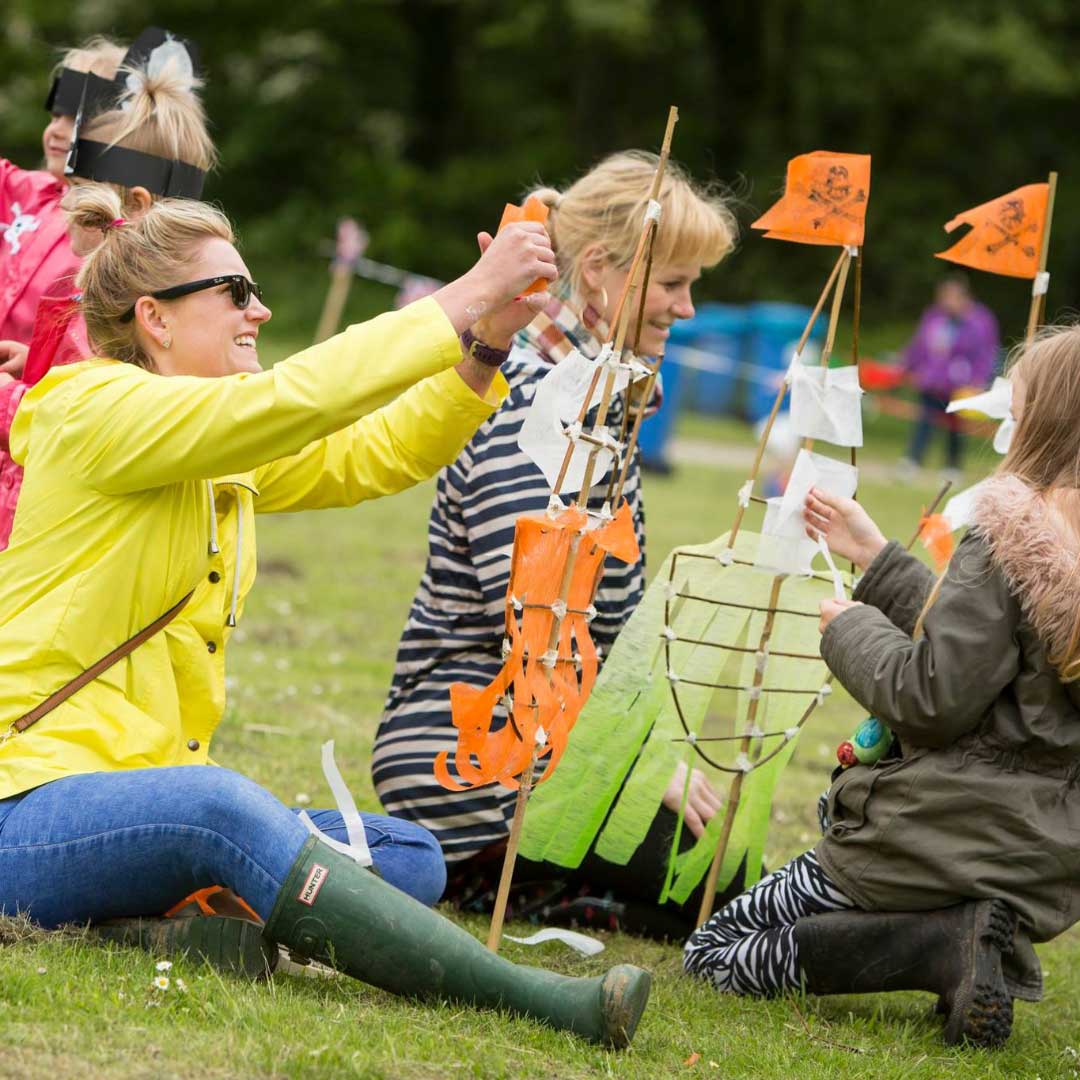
454, 631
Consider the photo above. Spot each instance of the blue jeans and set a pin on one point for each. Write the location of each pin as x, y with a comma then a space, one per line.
932, 414
106, 845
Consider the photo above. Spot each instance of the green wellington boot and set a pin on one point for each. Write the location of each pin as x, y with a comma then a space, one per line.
332, 910
956, 953
229, 944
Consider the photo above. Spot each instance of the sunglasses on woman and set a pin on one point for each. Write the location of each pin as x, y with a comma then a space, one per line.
240, 291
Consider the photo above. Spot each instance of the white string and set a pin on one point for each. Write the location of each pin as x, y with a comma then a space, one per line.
1040, 283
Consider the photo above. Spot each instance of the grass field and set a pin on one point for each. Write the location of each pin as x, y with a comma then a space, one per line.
311, 661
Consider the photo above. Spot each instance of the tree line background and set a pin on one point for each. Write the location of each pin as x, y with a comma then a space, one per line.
422, 117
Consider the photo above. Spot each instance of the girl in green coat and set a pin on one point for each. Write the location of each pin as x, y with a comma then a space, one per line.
941, 865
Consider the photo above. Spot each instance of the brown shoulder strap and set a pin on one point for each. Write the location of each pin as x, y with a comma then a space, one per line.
106, 662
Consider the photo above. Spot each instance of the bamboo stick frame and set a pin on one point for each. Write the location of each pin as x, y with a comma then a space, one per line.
1037, 309
637, 277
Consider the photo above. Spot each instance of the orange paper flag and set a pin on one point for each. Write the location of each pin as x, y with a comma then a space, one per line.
936, 535
531, 210
1006, 234
543, 691
824, 200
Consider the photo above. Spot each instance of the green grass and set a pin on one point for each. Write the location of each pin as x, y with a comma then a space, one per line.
312, 661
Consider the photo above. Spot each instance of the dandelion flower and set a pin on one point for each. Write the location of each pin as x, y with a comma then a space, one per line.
163, 965
161, 982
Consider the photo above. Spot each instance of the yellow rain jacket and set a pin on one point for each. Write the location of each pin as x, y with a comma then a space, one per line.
118, 519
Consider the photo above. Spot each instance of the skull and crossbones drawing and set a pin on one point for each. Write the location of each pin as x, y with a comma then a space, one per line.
21, 223
1011, 225
836, 196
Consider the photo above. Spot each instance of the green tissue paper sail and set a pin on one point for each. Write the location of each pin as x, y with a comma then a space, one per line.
629, 738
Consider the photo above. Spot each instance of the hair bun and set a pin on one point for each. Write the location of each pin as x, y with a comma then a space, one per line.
94, 207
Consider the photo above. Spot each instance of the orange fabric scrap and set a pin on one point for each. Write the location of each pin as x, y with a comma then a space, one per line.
543, 692
936, 535
1006, 234
531, 210
824, 200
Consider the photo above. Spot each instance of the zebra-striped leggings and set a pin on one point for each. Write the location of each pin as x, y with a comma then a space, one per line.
749, 947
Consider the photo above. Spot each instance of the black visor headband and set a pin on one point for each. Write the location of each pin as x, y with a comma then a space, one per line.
132, 168
72, 90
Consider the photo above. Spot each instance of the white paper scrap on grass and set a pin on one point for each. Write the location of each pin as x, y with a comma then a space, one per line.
994, 402
960, 509
557, 404
826, 403
587, 946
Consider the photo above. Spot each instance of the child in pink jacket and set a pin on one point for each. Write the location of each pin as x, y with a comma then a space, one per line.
175, 152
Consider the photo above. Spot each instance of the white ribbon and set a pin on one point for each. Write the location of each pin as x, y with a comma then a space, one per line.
1040, 283
357, 847
837, 580
745, 492
652, 211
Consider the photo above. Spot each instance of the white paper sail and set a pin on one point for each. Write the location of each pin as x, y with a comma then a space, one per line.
785, 548
826, 403
816, 470
994, 402
549, 423
960, 509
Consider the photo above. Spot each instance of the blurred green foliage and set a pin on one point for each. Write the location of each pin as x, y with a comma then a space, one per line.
421, 117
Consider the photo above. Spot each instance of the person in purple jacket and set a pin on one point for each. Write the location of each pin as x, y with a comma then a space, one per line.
956, 345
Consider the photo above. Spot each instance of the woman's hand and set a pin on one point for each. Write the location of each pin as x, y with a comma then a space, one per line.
13, 358
499, 326
831, 608
702, 802
508, 265
847, 528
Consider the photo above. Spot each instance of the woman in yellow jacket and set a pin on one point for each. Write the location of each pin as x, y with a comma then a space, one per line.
143, 475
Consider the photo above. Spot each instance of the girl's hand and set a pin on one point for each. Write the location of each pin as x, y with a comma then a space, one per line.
831, 608
702, 802
13, 358
847, 528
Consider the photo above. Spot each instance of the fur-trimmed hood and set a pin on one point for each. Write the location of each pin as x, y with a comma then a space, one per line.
1038, 554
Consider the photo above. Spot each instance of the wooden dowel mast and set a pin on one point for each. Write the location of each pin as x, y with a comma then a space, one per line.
619, 329
759, 454
1038, 300
735, 791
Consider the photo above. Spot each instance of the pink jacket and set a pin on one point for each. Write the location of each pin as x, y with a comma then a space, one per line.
34, 248
59, 337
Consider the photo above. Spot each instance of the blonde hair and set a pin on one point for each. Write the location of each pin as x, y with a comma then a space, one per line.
607, 205
1045, 448
135, 259
158, 114
97, 55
